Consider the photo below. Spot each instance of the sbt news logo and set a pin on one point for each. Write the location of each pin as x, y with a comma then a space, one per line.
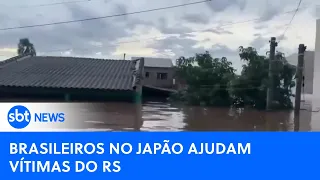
20, 117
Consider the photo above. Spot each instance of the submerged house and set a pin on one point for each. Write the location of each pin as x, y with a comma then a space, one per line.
158, 77
32, 78
158, 72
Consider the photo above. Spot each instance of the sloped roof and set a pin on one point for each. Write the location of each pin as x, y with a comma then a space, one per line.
156, 62
68, 72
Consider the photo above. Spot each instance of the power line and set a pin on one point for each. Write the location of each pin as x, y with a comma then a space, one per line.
294, 14
163, 36
104, 17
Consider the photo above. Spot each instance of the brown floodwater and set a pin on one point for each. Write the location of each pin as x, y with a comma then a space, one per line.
163, 116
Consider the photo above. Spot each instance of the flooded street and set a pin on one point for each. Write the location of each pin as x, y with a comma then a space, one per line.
162, 116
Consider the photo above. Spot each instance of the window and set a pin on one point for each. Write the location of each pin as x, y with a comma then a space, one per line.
147, 74
162, 75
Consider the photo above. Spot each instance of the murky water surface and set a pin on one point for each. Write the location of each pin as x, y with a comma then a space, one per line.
162, 116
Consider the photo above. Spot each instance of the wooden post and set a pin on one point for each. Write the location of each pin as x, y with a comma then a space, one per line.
296, 123
270, 91
139, 81
299, 76
67, 97
138, 95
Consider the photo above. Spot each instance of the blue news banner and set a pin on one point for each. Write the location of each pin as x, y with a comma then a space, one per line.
183, 155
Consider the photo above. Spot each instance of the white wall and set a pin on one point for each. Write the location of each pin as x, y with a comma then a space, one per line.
316, 75
152, 80
315, 122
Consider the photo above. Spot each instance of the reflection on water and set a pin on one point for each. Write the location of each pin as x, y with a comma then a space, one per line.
161, 116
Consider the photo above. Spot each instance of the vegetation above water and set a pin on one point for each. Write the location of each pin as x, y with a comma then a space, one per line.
212, 81
25, 47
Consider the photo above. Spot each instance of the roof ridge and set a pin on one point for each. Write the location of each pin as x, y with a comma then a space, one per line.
12, 59
157, 62
83, 58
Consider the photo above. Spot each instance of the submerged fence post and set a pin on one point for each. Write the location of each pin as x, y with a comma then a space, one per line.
299, 76
139, 81
67, 97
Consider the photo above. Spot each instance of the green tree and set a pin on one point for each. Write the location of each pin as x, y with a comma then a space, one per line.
207, 80
212, 81
250, 88
26, 47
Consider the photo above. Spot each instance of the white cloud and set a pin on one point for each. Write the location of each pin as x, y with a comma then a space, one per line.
99, 38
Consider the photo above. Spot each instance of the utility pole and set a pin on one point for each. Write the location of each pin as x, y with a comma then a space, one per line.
299, 78
124, 56
270, 91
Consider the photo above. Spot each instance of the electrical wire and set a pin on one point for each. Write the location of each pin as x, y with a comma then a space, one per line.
132, 13
294, 14
138, 12
104, 17
164, 36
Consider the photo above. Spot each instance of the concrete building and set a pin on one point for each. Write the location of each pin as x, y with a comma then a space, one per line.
307, 70
316, 79
159, 72
315, 122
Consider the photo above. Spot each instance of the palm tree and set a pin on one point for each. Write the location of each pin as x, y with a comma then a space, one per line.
25, 47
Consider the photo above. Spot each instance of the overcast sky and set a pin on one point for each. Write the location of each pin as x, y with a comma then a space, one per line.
184, 31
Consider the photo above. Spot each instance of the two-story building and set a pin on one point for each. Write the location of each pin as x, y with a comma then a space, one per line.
316, 75
158, 72
315, 98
